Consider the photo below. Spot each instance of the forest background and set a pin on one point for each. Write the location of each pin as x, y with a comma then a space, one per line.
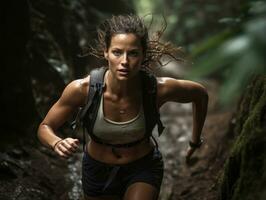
224, 44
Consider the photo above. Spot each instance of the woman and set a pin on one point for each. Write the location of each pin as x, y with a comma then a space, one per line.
133, 172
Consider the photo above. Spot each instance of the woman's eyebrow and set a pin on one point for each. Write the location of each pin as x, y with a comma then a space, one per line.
135, 49
132, 48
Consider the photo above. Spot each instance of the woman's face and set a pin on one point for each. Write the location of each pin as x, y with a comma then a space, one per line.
124, 55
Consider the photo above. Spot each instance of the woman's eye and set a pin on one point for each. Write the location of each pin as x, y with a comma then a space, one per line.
134, 53
117, 53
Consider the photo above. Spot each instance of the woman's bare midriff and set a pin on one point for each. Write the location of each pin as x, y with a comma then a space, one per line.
105, 154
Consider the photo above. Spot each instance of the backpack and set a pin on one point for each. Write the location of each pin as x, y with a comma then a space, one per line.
87, 115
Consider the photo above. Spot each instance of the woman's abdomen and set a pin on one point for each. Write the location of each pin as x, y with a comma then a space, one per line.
108, 155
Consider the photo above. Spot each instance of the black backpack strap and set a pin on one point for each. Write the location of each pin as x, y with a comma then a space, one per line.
96, 84
95, 91
96, 87
151, 111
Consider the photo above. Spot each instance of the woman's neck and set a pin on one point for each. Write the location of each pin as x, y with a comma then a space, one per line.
122, 88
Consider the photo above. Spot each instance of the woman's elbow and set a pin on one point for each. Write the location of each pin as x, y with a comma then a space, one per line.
204, 94
41, 131
201, 96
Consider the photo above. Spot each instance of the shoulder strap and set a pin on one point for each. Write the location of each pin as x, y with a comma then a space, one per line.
151, 111
96, 86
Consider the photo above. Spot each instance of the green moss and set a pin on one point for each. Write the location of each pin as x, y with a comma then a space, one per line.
244, 173
250, 97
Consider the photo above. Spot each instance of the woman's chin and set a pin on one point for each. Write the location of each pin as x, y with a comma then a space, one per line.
123, 78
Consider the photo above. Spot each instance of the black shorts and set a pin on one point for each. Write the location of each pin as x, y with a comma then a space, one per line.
99, 178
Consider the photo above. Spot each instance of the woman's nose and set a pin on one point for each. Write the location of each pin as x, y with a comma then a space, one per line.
125, 59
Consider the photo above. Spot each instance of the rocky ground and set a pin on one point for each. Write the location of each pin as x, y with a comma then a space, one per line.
197, 180
29, 171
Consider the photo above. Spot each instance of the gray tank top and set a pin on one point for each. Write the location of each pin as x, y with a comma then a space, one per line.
119, 132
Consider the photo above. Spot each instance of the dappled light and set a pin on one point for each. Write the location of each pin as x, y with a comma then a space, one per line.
218, 46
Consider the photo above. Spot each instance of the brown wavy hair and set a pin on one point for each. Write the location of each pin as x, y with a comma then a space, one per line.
153, 49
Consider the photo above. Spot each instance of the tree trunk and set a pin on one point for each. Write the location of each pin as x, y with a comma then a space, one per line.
244, 174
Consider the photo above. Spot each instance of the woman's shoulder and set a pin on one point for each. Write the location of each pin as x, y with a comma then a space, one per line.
166, 82
79, 89
163, 82
79, 85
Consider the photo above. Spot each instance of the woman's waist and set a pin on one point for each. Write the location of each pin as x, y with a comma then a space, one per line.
123, 155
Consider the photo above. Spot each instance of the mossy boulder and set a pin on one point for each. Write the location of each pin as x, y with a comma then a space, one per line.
244, 175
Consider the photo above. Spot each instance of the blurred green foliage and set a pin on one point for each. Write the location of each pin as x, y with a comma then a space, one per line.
226, 39
234, 55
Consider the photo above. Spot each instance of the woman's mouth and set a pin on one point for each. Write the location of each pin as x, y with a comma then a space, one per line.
123, 71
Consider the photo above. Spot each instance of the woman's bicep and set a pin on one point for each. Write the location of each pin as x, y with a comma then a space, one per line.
57, 115
71, 99
182, 91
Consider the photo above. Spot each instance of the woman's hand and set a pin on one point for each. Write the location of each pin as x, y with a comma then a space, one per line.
66, 147
190, 152
191, 149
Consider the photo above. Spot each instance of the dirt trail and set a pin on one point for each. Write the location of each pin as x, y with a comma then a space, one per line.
198, 180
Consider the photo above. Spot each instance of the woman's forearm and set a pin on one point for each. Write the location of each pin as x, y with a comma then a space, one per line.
199, 107
47, 135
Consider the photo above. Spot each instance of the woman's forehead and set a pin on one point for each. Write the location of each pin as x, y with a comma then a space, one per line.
125, 40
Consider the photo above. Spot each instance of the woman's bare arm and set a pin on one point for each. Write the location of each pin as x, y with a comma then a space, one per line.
73, 97
184, 91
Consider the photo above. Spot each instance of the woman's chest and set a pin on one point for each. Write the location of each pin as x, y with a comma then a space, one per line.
120, 110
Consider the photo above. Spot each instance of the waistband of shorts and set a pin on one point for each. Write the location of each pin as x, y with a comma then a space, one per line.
144, 159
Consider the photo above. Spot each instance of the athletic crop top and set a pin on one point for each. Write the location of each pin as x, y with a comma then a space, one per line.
119, 132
